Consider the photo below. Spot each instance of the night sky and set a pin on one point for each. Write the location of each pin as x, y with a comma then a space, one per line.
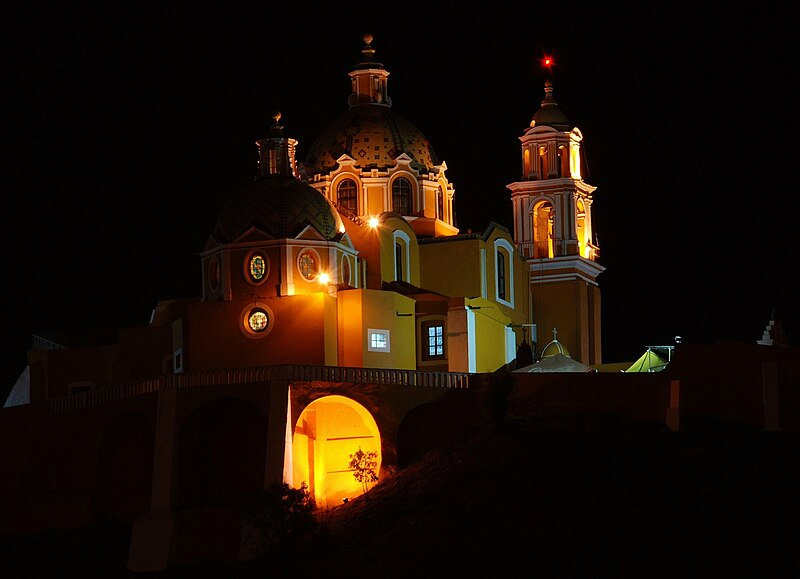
125, 130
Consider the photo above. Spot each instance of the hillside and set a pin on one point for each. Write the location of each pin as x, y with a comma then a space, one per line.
589, 496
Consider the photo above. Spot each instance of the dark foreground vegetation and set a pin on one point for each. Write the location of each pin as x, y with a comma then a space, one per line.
589, 496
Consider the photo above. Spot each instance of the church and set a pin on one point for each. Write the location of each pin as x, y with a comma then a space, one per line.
352, 258
340, 308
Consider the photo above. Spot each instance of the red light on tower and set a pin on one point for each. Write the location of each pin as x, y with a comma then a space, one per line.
548, 62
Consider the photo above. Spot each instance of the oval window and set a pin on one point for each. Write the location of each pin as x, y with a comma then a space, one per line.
213, 273
308, 263
258, 267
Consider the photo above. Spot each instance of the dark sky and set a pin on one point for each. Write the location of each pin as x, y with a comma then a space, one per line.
126, 129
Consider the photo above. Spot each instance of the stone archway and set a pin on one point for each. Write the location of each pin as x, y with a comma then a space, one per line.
221, 454
329, 430
125, 468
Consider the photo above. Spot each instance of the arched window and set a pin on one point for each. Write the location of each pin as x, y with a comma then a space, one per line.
398, 261
563, 162
440, 204
501, 275
542, 163
401, 196
542, 218
347, 197
402, 256
580, 222
504, 272
526, 163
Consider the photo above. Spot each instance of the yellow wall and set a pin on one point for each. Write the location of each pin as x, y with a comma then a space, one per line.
490, 343
374, 200
451, 268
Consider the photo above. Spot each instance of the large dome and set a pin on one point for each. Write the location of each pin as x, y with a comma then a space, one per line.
281, 207
372, 134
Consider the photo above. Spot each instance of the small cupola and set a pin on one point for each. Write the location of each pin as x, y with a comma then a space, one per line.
555, 347
549, 114
369, 79
276, 152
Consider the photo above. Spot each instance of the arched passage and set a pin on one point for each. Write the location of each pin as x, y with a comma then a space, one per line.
221, 453
327, 433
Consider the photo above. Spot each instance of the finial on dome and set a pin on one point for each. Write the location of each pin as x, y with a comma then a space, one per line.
276, 130
368, 51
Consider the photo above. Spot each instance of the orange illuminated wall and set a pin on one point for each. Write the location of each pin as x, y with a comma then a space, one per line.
215, 338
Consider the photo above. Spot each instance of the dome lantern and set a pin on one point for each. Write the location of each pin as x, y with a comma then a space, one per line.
276, 153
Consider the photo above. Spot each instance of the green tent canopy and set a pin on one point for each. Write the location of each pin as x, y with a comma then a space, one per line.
651, 361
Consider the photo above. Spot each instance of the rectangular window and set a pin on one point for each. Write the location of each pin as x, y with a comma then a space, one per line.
378, 340
433, 341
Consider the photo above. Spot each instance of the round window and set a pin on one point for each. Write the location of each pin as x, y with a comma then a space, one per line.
308, 263
258, 320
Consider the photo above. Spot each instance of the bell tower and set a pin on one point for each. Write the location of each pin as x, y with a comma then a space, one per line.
553, 227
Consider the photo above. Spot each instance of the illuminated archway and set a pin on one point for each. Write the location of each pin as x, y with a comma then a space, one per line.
329, 430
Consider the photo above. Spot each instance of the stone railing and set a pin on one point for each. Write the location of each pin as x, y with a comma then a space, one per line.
262, 374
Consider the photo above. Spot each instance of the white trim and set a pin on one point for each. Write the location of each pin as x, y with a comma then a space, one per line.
471, 358
500, 242
511, 345
484, 289
406, 254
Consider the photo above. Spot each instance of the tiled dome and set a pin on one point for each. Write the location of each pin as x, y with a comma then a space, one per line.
372, 134
281, 207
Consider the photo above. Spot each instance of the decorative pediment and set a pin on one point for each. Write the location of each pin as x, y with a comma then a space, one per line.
254, 234
310, 232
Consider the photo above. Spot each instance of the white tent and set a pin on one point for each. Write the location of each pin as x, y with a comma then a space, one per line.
556, 363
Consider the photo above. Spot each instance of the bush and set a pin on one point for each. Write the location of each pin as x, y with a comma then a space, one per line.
283, 516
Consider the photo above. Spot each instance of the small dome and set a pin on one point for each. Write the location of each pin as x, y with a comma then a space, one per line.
280, 206
555, 347
550, 115
373, 135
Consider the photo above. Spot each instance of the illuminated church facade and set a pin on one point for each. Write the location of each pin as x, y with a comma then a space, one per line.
340, 304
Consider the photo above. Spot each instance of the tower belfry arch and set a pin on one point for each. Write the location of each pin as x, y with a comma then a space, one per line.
552, 207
